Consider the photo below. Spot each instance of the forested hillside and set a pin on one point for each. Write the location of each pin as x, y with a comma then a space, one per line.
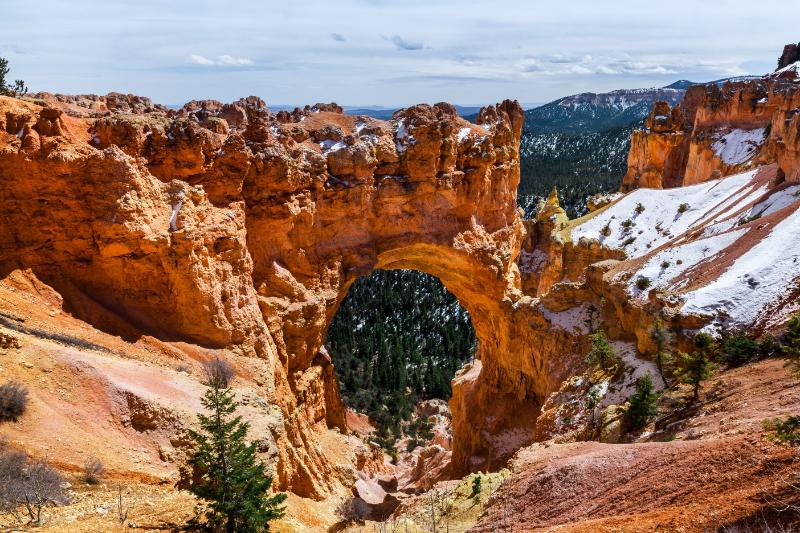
398, 338
577, 165
591, 112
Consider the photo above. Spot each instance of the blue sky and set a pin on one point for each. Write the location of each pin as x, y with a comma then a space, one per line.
385, 52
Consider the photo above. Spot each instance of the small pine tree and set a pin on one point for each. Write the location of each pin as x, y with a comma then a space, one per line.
602, 353
661, 337
790, 343
15, 89
738, 350
476, 488
232, 481
697, 367
642, 404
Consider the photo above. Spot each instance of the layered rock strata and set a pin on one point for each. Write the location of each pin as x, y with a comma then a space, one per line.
233, 228
720, 130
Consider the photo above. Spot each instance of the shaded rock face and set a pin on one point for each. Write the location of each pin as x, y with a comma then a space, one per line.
791, 53
718, 131
231, 227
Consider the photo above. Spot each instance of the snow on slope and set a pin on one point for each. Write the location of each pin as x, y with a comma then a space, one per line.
663, 218
756, 279
677, 249
737, 146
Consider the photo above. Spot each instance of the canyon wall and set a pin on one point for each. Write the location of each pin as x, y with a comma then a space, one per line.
233, 228
720, 130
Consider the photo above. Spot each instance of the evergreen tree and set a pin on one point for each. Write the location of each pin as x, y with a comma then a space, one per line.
15, 89
790, 343
696, 367
233, 483
602, 353
398, 338
642, 404
661, 337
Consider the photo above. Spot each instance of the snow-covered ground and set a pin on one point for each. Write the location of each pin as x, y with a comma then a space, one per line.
703, 225
663, 215
757, 278
737, 146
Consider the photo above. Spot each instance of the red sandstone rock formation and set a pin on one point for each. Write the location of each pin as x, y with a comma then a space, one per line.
230, 227
718, 131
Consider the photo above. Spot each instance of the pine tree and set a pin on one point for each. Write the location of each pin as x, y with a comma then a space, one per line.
18, 88
662, 339
790, 343
696, 367
233, 484
602, 353
642, 404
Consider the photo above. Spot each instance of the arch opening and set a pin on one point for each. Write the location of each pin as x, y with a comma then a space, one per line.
397, 339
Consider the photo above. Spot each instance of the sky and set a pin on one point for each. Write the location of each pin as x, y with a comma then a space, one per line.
385, 52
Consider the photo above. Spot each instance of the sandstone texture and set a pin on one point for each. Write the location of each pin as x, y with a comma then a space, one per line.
720, 130
232, 228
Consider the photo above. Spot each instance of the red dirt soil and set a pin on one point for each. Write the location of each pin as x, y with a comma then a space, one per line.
719, 469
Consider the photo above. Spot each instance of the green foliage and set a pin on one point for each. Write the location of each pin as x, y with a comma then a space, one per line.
738, 350
639, 208
697, 367
419, 431
397, 339
476, 488
683, 208
580, 165
232, 482
664, 359
15, 89
642, 282
790, 343
783, 430
642, 405
602, 353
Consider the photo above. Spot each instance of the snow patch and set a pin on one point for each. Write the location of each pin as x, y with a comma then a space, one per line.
463, 133
173, 219
530, 262
635, 368
329, 145
573, 319
665, 214
775, 202
402, 138
663, 267
738, 146
758, 277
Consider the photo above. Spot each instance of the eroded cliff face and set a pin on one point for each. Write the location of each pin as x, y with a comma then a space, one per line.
233, 228
718, 131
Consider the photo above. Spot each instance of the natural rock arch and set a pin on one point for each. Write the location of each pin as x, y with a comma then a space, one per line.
243, 230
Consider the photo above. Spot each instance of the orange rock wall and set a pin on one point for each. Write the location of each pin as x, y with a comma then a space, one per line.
234, 228
675, 149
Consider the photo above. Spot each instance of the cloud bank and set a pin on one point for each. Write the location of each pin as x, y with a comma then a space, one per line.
388, 52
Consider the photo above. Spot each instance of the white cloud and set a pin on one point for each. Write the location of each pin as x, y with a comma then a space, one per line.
199, 60
467, 51
234, 61
223, 60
